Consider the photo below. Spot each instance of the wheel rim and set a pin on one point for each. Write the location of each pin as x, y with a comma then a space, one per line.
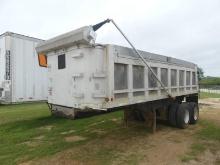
186, 117
196, 114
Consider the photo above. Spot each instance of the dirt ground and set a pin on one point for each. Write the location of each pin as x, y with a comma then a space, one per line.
164, 147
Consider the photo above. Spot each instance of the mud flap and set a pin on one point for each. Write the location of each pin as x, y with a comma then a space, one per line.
61, 111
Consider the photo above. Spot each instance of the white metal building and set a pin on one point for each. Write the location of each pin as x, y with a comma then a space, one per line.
21, 77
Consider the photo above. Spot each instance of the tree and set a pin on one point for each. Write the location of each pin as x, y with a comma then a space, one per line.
200, 73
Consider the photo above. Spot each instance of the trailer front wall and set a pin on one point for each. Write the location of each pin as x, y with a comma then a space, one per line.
77, 77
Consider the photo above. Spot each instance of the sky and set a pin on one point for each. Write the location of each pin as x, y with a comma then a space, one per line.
184, 29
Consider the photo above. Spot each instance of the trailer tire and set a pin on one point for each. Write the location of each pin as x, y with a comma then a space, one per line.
194, 112
172, 114
183, 115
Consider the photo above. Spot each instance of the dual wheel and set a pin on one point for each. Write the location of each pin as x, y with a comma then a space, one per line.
181, 115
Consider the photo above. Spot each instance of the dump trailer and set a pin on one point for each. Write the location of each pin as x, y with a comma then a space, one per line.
21, 77
86, 76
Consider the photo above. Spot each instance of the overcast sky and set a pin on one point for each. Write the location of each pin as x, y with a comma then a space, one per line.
185, 29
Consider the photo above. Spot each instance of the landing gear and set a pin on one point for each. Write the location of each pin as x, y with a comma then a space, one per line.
146, 116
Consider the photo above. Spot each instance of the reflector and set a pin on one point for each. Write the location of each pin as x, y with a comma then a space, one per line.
42, 59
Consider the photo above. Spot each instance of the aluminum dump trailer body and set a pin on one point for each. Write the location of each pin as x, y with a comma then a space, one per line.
87, 76
21, 77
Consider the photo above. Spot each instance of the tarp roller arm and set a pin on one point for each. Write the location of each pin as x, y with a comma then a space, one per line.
97, 26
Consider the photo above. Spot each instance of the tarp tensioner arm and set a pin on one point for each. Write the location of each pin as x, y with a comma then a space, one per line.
97, 26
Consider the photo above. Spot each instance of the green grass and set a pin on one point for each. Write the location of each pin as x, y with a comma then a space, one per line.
12, 113
210, 81
204, 95
29, 132
210, 131
206, 138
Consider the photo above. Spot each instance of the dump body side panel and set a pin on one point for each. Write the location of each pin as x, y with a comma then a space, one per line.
132, 82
